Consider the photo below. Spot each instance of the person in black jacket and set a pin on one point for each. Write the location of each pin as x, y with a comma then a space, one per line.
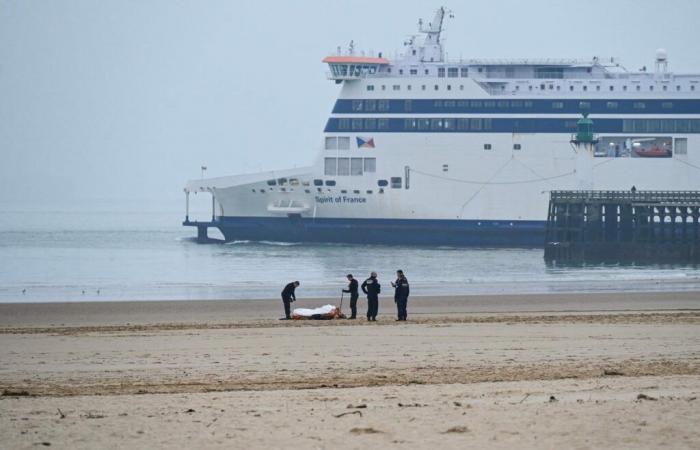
401, 291
288, 297
352, 290
372, 288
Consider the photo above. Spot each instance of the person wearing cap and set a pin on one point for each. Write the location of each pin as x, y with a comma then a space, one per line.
372, 288
352, 290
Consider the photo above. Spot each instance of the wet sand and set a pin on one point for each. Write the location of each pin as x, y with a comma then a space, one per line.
493, 371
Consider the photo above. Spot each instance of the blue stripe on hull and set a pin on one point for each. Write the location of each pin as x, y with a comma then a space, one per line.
475, 233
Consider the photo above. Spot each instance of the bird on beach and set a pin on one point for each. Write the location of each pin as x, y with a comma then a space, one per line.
24, 291
83, 291
98, 292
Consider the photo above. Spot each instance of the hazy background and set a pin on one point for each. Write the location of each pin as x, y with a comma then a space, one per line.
106, 103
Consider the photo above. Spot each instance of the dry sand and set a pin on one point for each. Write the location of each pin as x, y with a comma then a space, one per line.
541, 372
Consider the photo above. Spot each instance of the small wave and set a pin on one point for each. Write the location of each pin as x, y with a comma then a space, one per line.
237, 242
277, 243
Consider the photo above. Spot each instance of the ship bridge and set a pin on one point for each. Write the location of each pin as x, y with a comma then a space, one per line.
353, 67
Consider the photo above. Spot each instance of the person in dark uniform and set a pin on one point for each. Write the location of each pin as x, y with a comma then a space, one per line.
288, 297
372, 288
401, 291
352, 290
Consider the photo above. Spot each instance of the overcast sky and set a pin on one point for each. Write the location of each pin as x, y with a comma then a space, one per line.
110, 100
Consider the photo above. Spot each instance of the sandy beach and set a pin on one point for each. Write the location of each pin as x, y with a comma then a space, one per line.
541, 371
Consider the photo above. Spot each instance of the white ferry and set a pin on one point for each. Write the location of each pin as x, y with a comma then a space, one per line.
428, 151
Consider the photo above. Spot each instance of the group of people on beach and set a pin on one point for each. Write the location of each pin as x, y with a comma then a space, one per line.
370, 287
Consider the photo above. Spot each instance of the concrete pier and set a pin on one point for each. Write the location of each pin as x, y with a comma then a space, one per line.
623, 226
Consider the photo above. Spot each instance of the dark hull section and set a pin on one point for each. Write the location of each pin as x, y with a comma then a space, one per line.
385, 231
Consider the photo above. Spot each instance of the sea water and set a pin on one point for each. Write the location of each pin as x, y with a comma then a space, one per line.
98, 255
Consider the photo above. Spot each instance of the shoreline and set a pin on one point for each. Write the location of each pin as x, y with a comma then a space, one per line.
53, 314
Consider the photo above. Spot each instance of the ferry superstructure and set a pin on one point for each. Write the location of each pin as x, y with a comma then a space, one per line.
422, 150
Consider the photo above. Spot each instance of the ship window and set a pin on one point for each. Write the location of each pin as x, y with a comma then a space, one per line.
557, 105
639, 88
461, 87
441, 72
330, 183
370, 124
464, 72
369, 191
612, 88
475, 124
542, 87
678, 88
343, 191
665, 88
370, 87
343, 143
357, 105
357, 124
331, 143
530, 87
272, 182
293, 182
400, 71
396, 87
370, 105
437, 87
503, 104
382, 183
571, 88
413, 71
253, 190
584, 105
585, 88
356, 191
426, 71
422, 87
667, 105
370, 165
381, 190
307, 191
624, 88
343, 124
612, 105
383, 105
355, 166
408, 87
408, 105
681, 147
452, 72
487, 146
449, 87
382, 124
319, 189
517, 147
651, 88
383, 87
330, 167
396, 182
343, 166
639, 105
318, 182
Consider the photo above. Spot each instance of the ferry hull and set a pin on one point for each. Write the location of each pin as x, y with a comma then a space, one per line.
473, 233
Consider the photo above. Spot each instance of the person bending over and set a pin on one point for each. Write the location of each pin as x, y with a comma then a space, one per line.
288, 297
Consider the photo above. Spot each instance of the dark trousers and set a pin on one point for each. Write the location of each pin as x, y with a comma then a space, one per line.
353, 305
401, 303
287, 303
372, 306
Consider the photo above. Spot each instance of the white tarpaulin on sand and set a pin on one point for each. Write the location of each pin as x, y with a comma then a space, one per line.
323, 312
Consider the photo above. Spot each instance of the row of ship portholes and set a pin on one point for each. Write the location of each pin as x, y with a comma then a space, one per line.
542, 87
394, 183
